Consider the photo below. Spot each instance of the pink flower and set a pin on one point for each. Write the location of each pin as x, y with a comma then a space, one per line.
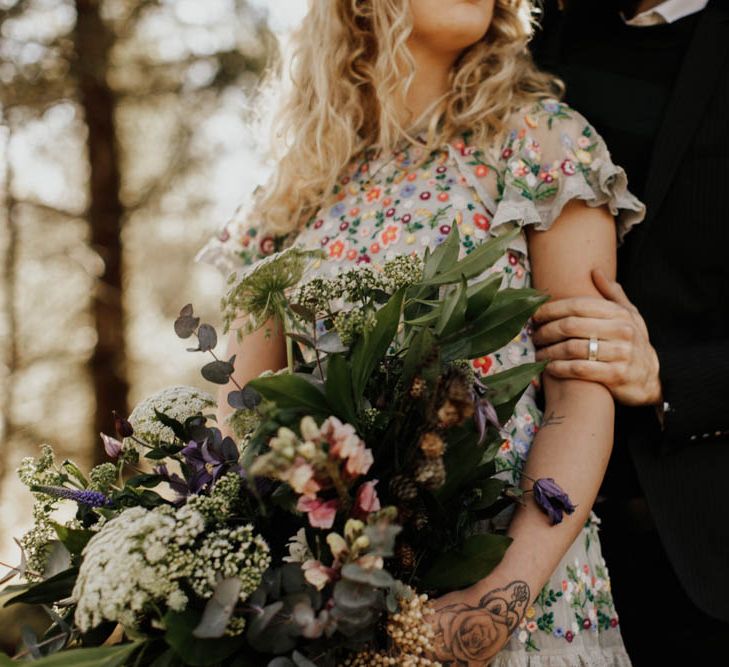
301, 479
366, 500
316, 574
112, 446
321, 513
360, 461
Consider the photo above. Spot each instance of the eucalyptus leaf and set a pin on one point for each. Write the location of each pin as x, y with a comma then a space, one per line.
219, 609
218, 371
301, 661
194, 651
375, 578
207, 337
331, 343
471, 562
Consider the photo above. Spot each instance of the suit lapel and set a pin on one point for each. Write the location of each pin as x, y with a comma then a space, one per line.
703, 64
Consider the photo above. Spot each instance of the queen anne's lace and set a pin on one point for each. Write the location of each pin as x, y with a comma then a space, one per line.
136, 559
179, 402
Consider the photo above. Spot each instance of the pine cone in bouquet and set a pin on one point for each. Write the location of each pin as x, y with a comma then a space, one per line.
404, 488
454, 400
431, 473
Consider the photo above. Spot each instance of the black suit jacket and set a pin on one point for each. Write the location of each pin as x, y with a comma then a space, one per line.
675, 269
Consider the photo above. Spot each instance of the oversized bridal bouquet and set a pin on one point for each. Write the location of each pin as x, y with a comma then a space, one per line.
357, 484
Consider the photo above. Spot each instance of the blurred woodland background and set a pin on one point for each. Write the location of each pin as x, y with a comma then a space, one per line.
125, 144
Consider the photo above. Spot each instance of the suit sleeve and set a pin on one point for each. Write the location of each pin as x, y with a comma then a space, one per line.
695, 380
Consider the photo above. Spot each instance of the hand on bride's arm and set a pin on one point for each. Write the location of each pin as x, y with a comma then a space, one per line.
627, 364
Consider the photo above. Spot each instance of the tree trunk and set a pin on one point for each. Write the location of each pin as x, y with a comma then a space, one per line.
108, 365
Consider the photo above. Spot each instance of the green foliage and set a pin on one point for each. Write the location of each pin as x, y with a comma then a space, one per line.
469, 563
192, 650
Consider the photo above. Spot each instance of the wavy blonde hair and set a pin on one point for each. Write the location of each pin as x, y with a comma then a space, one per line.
350, 75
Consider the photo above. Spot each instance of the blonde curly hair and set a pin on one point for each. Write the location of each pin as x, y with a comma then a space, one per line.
350, 75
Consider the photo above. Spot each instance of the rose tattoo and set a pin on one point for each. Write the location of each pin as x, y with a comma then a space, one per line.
469, 636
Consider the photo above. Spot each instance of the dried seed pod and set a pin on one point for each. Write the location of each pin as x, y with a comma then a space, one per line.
431, 473
420, 520
406, 556
417, 388
432, 445
403, 488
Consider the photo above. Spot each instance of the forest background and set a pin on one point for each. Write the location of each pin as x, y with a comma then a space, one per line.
126, 141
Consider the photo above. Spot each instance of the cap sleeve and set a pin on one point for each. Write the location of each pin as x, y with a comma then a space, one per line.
240, 243
551, 156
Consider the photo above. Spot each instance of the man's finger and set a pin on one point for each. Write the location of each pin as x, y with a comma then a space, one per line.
583, 327
581, 306
610, 289
590, 371
577, 349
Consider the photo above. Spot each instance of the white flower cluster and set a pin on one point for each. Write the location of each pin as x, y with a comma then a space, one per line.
102, 477
36, 542
138, 558
227, 553
218, 505
178, 402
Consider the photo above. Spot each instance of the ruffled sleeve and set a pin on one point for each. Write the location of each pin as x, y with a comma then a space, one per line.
550, 156
240, 243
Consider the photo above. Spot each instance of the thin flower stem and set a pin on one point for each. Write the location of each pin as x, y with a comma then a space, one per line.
19, 571
50, 640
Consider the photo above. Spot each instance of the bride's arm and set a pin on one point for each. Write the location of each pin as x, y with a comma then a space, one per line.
573, 447
255, 353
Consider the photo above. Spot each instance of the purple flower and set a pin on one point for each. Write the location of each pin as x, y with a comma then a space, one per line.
408, 190
81, 496
112, 446
550, 497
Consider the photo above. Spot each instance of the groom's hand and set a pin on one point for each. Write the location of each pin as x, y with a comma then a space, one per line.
627, 363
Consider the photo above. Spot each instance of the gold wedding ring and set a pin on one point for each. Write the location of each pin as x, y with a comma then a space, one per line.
592, 349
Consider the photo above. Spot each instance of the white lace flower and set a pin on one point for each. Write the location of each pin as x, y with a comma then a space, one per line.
178, 402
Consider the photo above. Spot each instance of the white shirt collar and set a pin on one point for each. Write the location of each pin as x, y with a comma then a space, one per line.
667, 12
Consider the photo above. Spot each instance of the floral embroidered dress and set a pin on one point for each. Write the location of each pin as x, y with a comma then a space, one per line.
399, 204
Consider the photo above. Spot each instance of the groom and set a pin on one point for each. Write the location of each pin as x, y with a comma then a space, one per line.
653, 77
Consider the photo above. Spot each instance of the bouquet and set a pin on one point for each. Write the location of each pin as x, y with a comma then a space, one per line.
359, 481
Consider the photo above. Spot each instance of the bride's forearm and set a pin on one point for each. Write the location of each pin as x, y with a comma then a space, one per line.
573, 447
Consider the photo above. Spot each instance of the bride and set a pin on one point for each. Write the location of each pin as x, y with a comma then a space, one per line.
407, 117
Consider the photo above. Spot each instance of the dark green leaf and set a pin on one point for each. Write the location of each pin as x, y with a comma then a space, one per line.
247, 398
370, 348
51, 590
462, 458
443, 256
504, 387
74, 539
338, 388
453, 314
218, 372
104, 656
147, 480
507, 316
197, 652
177, 428
291, 391
481, 295
490, 491
476, 262
419, 355
475, 559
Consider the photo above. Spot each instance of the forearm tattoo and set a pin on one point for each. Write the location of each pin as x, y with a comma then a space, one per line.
552, 419
469, 636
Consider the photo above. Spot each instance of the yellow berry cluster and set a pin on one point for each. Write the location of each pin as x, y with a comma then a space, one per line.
411, 635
